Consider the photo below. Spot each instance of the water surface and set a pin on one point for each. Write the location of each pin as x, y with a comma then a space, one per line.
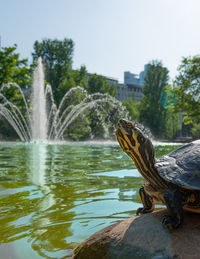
53, 196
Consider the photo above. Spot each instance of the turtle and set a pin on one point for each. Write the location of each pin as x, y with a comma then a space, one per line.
172, 180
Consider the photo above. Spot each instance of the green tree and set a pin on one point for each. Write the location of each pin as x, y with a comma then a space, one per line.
12, 68
80, 76
99, 84
152, 112
57, 57
72, 79
169, 101
195, 130
133, 109
188, 89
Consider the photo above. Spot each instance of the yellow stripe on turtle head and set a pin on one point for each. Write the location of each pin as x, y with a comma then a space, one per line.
140, 149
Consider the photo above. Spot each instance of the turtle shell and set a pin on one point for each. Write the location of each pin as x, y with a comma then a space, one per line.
182, 166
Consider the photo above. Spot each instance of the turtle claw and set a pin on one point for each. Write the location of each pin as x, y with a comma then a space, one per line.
143, 211
139, 211
170, 222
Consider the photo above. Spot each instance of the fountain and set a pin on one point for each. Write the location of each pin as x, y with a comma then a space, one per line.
42, 119
39, 117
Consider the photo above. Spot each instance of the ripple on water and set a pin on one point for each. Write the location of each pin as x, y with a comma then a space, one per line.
55, 195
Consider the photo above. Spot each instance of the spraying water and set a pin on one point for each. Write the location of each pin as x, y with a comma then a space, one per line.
39, 116
44, 120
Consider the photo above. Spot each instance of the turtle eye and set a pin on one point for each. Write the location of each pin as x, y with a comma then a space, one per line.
141, 139
129, 125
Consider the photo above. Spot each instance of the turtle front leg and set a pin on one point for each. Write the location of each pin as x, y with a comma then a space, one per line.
173, 202
146, 200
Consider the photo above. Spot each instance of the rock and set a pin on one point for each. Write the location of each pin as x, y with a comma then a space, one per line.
144, 237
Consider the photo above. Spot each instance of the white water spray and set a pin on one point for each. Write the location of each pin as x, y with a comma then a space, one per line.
44, 120
39, 117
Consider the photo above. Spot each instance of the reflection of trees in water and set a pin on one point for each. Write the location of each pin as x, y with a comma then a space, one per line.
43, 211
25, 217
66, 169
23, 214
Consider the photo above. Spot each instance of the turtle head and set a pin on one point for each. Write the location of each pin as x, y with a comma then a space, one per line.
136, 144
139, 147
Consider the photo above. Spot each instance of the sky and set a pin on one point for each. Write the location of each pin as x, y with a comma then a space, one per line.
110, 36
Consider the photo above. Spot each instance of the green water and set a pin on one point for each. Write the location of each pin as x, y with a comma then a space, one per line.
53, 196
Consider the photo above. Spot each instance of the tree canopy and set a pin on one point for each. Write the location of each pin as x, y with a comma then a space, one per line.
152, 112
99, 84
72, 79
57, 57
132, 108
12, 68
188, 88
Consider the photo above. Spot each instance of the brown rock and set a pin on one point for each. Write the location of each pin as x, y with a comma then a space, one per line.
144, 237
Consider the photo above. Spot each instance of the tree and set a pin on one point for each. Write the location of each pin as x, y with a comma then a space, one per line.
72, 79
132, 108
80, 76
188, 89
169, 101
152, 112
12, 68
57, 57
99, 84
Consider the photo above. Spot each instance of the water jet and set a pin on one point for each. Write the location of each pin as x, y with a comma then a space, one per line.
41, 119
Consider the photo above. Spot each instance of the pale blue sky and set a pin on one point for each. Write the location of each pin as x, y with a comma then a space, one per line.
110, 36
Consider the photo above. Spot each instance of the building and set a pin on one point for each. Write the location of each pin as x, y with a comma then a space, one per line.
132, 86
122, 92
135, 92
112, 80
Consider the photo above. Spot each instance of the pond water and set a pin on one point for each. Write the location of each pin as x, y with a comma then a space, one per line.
53, 196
